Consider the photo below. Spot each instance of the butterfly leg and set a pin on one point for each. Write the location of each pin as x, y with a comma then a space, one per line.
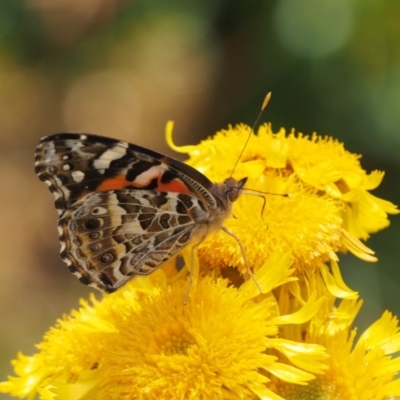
249, 271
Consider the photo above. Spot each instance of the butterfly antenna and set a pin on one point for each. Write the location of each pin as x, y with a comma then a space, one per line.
259, 193
263, 107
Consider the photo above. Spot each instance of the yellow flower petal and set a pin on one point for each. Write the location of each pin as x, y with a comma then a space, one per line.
304, 314
335, 284
298, 353
275, 272
365, 370
82, 388
290, 374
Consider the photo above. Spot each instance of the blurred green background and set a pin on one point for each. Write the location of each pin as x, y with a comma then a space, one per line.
123, 68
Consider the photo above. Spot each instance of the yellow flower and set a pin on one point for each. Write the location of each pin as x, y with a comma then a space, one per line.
143, 342
357, 370
327, 210
151, 340
323, 163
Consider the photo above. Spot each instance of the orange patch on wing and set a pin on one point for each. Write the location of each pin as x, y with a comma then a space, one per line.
118, 182
173, 186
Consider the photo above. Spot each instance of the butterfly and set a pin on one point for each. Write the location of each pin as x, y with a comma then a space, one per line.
125, 210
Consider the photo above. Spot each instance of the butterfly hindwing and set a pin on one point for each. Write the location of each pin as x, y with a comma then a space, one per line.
109, 237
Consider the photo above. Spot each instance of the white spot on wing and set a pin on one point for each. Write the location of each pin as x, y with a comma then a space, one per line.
66, 167
49, 153
147, 176
103, 162
77, 176
132, 228
99, 210
61, 233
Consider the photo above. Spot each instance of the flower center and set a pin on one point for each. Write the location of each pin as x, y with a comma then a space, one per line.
319, 389
177, 344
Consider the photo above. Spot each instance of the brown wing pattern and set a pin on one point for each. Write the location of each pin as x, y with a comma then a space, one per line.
109, 237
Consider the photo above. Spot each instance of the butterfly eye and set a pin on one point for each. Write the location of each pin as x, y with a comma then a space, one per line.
232, 194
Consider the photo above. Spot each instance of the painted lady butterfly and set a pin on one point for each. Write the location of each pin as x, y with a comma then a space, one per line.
125, 210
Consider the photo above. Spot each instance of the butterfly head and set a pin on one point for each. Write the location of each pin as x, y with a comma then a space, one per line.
233, 188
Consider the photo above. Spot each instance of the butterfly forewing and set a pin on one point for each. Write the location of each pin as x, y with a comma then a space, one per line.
73, 165
125, 210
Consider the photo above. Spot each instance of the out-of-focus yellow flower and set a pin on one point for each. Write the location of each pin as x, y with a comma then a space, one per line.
143, 342
363, 369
